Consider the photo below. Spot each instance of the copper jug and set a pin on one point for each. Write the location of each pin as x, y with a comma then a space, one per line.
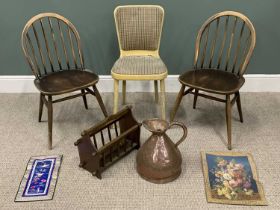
159, 159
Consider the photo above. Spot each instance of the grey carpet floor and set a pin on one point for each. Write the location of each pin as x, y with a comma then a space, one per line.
121, 187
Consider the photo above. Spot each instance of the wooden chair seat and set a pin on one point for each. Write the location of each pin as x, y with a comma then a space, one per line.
52, 47
65, 81
213, 81
223, 48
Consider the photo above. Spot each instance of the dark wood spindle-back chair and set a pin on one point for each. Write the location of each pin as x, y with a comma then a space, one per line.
223, 48
52, 47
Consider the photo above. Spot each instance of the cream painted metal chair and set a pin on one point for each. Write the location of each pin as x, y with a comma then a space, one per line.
139, 32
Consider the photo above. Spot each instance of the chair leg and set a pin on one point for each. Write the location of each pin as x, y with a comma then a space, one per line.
99, 100
124, 92
98, 174
228, 119
41, 104
84, 99
50, 120
116, 95
156, 90
177, 103
195, 98
162, 91
238, 102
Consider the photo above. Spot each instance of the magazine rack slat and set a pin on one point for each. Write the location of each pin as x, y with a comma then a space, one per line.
105, 143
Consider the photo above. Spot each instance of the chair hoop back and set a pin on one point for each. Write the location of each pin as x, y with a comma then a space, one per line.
50, 43
139, 27
225, 41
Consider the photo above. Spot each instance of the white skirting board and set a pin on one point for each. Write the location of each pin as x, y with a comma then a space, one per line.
254, 83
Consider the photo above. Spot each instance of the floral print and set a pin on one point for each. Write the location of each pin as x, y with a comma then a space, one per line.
39, 176
231, 178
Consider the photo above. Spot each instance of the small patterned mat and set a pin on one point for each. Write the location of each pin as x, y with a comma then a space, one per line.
231, 178
39, 180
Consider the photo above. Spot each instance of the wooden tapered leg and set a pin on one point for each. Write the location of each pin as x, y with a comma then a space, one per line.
84, 99
195, 98
123, 92
228, 119
98, 174
41, 104
81, 164
238, 102
99, 100
156, 90
177, 103
116, 96
50, 120
162, 92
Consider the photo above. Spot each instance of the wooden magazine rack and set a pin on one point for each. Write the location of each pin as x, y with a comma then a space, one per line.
105, 143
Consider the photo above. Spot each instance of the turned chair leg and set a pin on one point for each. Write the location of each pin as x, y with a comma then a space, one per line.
41, 104
238, 102
84, 99
98, 174
99, 100
123, 92
116, 96
228, 119
195, 98
50, 120
177, 103
162, 91
156, 90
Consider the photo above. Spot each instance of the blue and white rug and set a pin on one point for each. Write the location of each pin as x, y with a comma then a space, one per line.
39, 180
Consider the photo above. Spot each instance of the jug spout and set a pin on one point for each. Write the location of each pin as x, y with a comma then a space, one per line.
156, 125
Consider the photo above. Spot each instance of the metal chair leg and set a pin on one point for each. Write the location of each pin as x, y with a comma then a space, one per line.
84, 99
195, 98
228, 119
162, 91
41, 104
50, 120
238, 102
177, 103
156, 90
116, 96
100, 101
124, 92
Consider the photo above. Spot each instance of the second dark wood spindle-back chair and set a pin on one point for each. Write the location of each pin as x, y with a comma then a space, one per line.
52, 47
223, 48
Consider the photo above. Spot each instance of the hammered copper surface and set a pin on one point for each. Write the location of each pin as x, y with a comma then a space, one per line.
159, 159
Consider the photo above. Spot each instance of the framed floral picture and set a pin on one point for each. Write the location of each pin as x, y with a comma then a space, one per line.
231, 178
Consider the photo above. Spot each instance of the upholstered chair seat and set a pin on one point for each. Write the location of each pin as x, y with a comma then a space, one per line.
139, 65
139, 30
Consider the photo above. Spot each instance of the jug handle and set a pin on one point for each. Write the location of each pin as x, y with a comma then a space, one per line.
184, 129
